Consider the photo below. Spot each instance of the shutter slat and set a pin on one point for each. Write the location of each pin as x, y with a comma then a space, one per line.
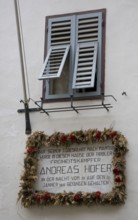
53, 68
87, 35
56, 57
57, 54
86, 55
85, 49
60, 23
63, 33
60, 29
54, 62
84, 64
84, 77
60, 38
83, 84
88, 26
57, 50
84, 73
89, 30
87, 40
85, 20
54, 53
60, 43
85, 59
51, 74
84, 69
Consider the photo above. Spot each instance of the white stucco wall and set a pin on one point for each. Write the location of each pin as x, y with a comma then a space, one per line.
121, 74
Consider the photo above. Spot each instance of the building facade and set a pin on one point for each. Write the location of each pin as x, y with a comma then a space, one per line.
120, 81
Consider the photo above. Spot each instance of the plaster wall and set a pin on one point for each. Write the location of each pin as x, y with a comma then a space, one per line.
121, 74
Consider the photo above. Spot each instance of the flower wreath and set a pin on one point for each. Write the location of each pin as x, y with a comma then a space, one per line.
29, 196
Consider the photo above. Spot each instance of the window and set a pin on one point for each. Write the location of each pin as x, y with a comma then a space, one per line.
74, 56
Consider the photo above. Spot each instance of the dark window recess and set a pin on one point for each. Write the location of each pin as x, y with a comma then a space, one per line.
74, 56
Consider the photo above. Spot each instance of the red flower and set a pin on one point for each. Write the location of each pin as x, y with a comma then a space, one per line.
118, 179
47, 196
72, 137
116, 171
98, 194
113, 134
63, 138
98, 135
30, 150
77, 198
38, 197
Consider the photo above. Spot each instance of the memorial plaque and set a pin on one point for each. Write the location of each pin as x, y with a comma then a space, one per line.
77, 168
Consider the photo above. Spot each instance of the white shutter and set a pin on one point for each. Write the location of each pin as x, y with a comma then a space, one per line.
60, 31
59, 40
54, 62
88, 28
85, 65
88, 52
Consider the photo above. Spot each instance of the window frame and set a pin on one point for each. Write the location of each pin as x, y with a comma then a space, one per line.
84, 96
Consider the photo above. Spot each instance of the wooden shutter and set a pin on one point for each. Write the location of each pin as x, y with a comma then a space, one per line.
54, 62
59, 31
85, 65
88, 28
88, 39
59, 40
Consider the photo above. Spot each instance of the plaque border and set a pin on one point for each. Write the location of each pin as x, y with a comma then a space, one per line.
38, 140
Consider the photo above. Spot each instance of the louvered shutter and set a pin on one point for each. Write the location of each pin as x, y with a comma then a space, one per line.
88, 28
59, 31
88, 38
85, 65
59, 40
54, 62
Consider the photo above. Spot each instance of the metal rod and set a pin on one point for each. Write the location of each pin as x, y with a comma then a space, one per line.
72, 105
76, 107
71, 109
42, 108
111, 96
30, 110
61, 109
23, 65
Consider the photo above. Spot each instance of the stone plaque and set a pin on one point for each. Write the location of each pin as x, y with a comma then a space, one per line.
77, 168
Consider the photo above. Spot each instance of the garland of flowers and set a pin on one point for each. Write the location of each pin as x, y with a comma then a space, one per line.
37, 140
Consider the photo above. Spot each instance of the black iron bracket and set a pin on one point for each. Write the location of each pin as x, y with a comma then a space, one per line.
72, 107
